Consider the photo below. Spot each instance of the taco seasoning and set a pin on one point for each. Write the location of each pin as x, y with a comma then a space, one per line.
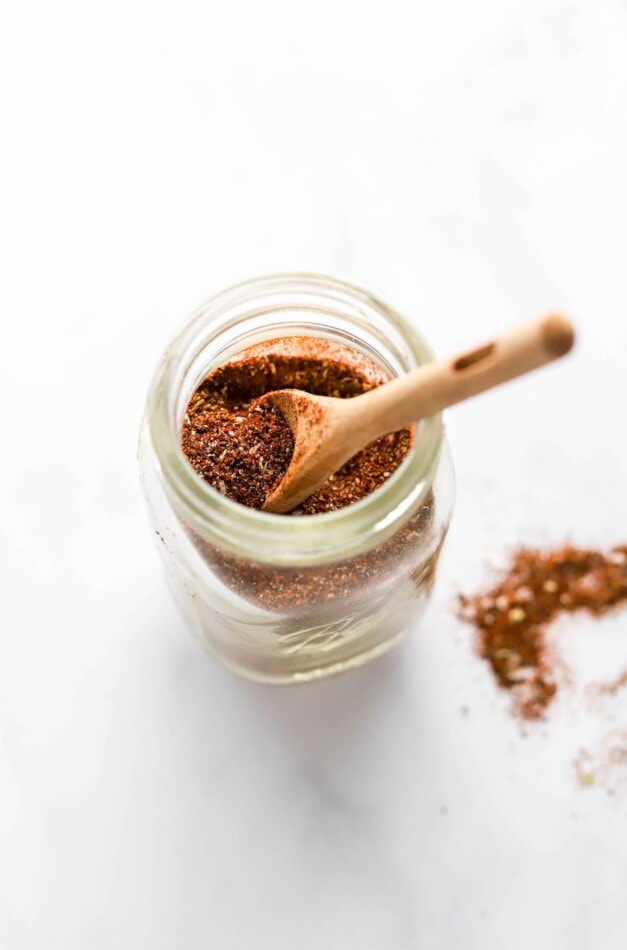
243, 449
288, 598
512, 620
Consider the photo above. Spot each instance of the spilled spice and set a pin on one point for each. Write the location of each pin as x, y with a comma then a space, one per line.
605, 766
243, 449
512, 619
614, 686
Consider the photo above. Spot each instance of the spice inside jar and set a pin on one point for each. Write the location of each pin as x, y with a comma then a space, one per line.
243, 450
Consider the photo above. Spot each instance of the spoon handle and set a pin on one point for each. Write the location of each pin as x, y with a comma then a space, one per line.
434, 386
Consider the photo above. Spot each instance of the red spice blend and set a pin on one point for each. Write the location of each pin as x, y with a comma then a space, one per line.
512, 618
243, 453
243, 449
605, 766
615, 686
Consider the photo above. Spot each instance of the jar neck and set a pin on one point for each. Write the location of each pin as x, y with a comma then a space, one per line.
265, 309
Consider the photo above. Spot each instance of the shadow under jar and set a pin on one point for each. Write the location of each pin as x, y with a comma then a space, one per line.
284, 599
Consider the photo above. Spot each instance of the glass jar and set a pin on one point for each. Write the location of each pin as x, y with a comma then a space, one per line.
281, 599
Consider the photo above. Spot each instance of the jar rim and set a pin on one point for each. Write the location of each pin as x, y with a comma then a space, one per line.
275, 538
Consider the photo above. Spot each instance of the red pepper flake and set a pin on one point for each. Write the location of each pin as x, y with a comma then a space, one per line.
512, 619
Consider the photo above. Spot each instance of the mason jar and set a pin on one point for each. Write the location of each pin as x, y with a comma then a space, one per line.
283, 599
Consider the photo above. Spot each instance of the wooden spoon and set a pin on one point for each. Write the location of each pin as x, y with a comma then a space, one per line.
329, 431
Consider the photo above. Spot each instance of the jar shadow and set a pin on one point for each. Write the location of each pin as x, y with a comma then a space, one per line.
320, 724
329, 716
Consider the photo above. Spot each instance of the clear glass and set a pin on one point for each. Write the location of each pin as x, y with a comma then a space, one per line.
281, 599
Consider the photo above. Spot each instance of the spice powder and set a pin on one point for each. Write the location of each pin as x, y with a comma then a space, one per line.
243, 450
512, 618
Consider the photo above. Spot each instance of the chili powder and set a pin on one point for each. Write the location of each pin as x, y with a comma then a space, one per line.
243, 449
244, 453
512, 618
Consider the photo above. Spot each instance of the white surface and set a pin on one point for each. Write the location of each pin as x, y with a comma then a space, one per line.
467, 160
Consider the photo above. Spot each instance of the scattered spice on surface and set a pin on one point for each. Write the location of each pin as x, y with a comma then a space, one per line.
614, 686
243, 449
605, 767
512, 619
388, 570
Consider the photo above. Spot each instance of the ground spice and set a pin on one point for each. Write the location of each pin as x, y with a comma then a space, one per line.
512, 619
380, 573
243, 449
613, 687
605, 766
244, 453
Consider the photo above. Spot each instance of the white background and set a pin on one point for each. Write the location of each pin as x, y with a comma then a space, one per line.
466, 160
